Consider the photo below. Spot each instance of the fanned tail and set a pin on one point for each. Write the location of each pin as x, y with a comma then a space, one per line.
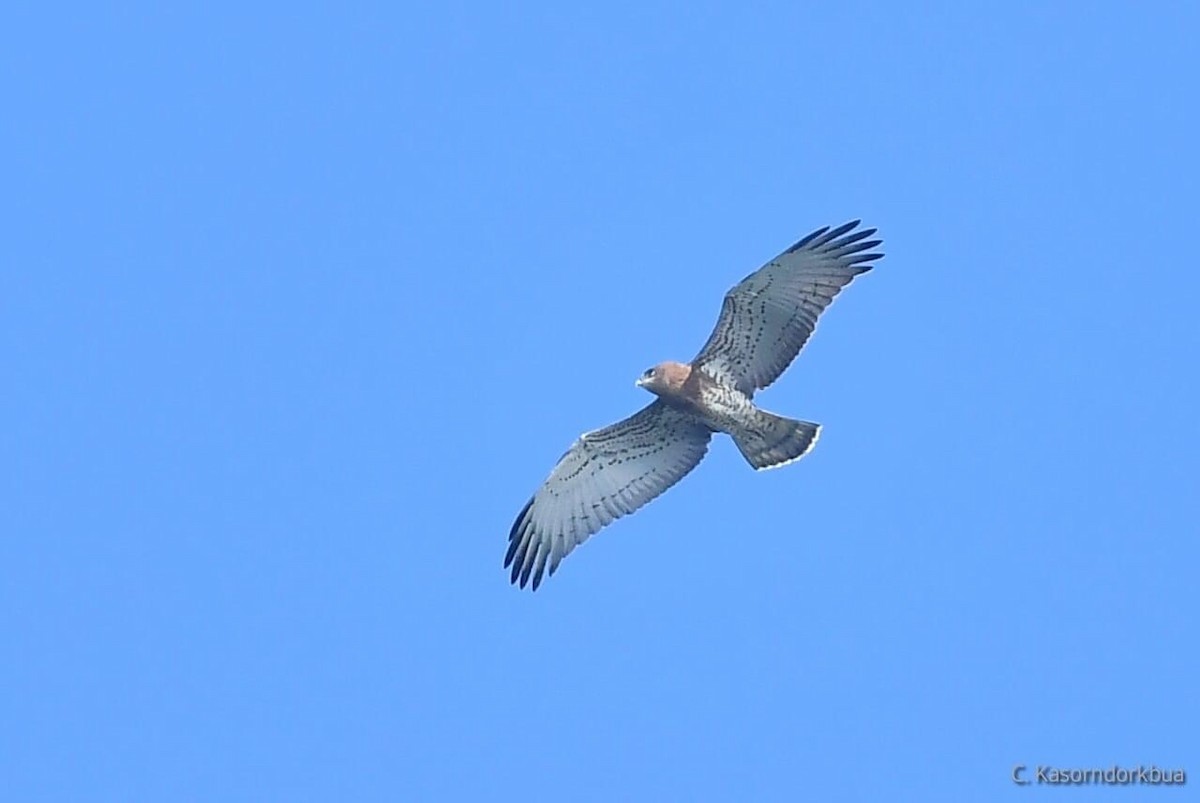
770, 440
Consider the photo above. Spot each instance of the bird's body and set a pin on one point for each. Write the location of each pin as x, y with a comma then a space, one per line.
720, 407
717, 405
765, 321
691, 390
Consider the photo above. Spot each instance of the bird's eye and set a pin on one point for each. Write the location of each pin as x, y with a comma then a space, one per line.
649, 373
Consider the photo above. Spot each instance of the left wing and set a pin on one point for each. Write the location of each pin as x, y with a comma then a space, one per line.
606, 474
769, 316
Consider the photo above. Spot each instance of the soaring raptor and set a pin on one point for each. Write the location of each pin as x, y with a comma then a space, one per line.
765, 320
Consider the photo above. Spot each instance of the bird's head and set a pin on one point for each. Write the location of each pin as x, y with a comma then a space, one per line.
666, 377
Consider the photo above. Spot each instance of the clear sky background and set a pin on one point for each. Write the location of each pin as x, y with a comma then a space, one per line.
298, 306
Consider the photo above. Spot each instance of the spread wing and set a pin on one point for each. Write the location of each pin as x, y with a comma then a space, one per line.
769, 316
603, 476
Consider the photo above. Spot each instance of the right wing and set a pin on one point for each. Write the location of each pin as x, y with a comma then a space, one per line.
606, 474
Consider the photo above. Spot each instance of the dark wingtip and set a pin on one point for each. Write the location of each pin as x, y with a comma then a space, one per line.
847, 249
540, 565
850, 239
830, 236
825, 235
526, 571
515, 574
808, 239
514, 535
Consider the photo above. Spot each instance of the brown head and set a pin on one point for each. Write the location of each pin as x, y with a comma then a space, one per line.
665, 378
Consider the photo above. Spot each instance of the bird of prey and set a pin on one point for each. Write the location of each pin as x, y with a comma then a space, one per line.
765, 320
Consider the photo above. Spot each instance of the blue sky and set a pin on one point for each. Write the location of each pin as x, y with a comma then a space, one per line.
299, 305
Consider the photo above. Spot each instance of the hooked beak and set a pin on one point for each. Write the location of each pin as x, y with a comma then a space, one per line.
641, 381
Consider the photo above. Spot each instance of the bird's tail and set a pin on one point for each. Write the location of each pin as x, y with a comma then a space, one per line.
770, 440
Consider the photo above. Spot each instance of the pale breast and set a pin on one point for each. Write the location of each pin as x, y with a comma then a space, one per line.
722, 407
